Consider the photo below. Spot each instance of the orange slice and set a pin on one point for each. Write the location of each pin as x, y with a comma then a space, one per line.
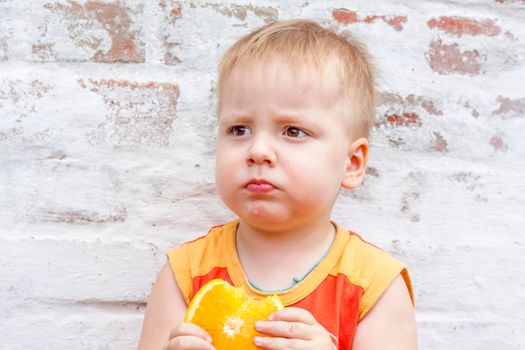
228, 314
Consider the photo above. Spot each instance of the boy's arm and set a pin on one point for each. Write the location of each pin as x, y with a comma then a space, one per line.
165, 310
390, 324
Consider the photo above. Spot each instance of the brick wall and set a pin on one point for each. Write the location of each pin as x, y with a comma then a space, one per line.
106, 143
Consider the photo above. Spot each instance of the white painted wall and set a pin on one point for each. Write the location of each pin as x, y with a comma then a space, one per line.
106, 143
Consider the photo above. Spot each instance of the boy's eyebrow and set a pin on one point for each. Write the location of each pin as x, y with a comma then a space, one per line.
235, 119
301, 119
290, 118
282, 118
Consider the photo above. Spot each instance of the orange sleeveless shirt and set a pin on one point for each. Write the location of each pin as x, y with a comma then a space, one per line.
339, 291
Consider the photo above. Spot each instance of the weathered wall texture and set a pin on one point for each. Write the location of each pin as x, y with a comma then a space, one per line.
107, 141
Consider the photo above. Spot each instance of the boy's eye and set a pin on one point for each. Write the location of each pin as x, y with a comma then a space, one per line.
239, 130
294, 132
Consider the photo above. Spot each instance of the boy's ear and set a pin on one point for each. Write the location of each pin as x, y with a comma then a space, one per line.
356, 165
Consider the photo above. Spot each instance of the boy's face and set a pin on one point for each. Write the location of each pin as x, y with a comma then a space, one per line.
284, 148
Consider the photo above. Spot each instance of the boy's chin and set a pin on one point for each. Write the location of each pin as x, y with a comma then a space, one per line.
270, 223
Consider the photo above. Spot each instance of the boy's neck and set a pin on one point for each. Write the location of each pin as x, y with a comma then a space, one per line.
308, 237
274, 259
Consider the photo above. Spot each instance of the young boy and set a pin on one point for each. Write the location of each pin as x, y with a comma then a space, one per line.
295, 106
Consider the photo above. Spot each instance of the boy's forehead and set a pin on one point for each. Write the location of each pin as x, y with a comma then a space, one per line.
299, 81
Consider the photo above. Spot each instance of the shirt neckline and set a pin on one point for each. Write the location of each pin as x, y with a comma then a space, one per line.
297, 291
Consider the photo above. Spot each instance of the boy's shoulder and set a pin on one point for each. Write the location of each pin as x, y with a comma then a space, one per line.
361, 259
370, 268
207, 248
209, 252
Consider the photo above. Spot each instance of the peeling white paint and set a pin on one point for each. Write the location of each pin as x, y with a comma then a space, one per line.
87, 213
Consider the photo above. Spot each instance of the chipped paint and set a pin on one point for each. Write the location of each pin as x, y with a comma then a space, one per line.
176, 11
391, 99
460, 26
18, 100
401, 119
440, 144
471, 182
447, 59
94, 170
498, 143
173, 9
372, 171
114, 18
521, 2
406, 203
132, 119
80, 216
44, 52
345, 16
267, 14
510, 107
3, 50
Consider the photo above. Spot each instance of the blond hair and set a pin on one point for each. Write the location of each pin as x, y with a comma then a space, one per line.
305, 41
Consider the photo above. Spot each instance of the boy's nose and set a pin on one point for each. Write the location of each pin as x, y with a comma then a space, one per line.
261, 152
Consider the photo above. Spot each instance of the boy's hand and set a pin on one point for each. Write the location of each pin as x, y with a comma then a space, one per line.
293, 328
188, 336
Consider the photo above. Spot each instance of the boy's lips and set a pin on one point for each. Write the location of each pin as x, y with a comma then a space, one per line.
259, 186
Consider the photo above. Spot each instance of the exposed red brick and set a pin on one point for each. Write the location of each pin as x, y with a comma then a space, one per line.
397, 102
405, 119
45, 51
173, 10
497, 142
176, 11
268, 14
113, 18
403, 111
139, 113
429, 107
396, 21
510, 106
440, 144
345, 16
81, 83
459, 26
446, 59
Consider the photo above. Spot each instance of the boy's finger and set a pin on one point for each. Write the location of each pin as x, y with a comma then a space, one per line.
293, 314
187, 328
270, 343
283, 329
188, 342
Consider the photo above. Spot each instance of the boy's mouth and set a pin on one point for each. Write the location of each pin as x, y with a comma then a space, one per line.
259, 186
